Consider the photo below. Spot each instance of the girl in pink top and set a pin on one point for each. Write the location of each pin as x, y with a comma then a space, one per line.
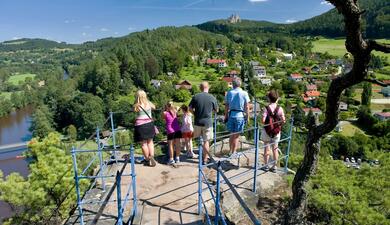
187, 130
172, 127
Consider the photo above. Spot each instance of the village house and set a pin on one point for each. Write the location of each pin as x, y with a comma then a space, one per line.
288, 56
297, 77
311, 87
229, 81
221, 51
316, 69
184, 85
259, 71
382, 116
310, 95
316, 111
41, 83
221, 63
386, 91
343, 106
266, 81
232, 73
254, 63
156, 83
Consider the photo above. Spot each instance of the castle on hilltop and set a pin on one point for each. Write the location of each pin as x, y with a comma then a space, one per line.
234, 18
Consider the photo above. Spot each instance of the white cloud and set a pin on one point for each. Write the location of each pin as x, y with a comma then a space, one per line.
130, 28
86, 27
291, 21
15, 38
103, 29
116, 33
325, 3
66, 21
84, 34
257, 1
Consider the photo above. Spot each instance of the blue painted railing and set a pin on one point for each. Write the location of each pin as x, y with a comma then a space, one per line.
216, 164
103, 164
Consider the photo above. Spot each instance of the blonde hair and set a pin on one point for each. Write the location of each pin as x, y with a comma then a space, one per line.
141, 99
170, 107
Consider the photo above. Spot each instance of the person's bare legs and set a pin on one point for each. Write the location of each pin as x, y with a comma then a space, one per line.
206, 147
170, 147
150, 148
234, 141
188, 144
266, 153
275, 151
177, 146
145, 150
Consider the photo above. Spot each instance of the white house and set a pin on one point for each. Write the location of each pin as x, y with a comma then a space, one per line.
297, 77
316, 111
382, 116
288, 56
259, 71
343, 106
266, 81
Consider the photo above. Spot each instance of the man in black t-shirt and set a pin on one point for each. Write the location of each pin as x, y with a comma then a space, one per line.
203, 105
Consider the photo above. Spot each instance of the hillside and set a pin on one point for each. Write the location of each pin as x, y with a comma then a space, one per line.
30, 44
329, 24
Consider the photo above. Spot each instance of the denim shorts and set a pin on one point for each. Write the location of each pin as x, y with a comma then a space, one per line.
236, 124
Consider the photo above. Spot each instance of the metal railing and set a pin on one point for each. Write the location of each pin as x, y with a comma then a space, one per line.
216, 164
81, 173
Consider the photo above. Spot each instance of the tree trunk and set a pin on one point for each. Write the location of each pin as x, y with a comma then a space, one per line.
361, 50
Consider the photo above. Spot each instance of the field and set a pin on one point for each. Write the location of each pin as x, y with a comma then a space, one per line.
195, 75
17, 78
349, 129
336, 47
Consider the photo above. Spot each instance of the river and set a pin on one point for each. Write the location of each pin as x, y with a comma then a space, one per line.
14, 128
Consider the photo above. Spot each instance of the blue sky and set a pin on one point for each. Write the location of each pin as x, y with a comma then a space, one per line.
76, 21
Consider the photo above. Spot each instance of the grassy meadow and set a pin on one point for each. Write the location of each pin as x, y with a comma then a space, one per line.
336, 47
17, 78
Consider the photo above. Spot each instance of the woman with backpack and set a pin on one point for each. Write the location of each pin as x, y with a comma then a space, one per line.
172, 127
144, 130
273, 119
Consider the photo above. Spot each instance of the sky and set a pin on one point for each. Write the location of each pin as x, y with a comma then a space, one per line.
77, 21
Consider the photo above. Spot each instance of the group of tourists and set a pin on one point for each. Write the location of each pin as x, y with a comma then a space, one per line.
181, 129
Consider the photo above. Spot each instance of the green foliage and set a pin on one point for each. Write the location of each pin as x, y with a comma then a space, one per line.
42, 122
182, 95
45, 192
71, 131
367, 93
341, 195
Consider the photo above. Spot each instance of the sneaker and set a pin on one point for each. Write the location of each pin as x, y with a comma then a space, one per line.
265, 168
152, 162
190, 155
273, 169
146, 162
177, 159
171, 162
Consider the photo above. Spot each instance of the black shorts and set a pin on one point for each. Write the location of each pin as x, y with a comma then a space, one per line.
144, 132
174, 135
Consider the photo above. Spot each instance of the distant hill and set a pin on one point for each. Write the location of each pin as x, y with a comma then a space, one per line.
329, 24
30, 44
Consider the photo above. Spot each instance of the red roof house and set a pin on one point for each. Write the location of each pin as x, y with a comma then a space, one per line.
184, 85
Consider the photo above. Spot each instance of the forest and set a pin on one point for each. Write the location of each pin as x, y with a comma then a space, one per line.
103, 76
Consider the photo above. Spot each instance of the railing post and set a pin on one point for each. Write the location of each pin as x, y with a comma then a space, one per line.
119, 198
100, 157
133, 180
215, 132
200, 148
113, 135
256, 159
218, 197
76, 178
289, 145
